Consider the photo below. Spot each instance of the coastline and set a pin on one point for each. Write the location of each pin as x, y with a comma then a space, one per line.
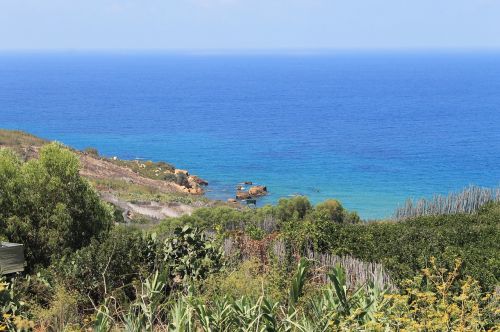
125, 183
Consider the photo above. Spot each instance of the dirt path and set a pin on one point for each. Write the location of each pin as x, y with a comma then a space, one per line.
153, 210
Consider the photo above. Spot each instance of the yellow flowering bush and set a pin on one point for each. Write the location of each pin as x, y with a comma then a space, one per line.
438, 301
11, 318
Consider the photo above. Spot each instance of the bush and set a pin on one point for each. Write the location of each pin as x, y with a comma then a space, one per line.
436, 300
188, 255
170, 177
181, 179
405, 247
295, 208
13, 315
110, 266
47, 206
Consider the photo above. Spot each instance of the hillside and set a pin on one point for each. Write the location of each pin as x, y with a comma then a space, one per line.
142, 190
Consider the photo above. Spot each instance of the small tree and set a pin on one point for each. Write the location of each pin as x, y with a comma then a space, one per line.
47, 206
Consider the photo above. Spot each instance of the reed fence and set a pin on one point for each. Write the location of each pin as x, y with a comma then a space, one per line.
468, 200
357, 271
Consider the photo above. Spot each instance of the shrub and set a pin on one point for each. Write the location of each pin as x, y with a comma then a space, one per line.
247, 280
295, 208
109, 267
181, 179
406, 247
329, 210
13, 315
61, 314
430, 302
188, 255
438, 300
47, 206
170, 177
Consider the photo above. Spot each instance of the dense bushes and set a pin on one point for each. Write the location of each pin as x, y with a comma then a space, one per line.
47, 206
402, 247
405, 247
435, 300
108, 267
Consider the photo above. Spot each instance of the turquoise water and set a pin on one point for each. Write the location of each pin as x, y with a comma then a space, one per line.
370, 129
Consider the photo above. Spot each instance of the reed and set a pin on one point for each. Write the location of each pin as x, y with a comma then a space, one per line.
468, 201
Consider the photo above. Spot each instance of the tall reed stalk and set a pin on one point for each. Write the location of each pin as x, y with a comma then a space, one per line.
468, 200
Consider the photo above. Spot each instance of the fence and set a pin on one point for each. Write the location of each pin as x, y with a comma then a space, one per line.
467, 201
357, 272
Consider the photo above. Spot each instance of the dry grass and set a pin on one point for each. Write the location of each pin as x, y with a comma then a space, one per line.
26, 145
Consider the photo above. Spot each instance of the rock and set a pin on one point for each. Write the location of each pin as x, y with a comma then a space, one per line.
248, 182
243, 195
258, 191
232, 200
198, 180
193, 191
181, 171
196, 190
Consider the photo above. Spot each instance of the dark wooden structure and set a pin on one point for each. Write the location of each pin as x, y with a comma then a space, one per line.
11, 257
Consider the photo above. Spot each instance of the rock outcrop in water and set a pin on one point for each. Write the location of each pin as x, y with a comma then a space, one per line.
241, 195
258, 191
255, 191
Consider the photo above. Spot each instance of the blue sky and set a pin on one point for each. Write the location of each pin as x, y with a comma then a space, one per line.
249, 24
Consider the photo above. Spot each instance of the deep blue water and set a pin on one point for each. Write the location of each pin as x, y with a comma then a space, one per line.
370, 129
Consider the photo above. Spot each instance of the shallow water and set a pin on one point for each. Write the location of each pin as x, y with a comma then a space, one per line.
370, 129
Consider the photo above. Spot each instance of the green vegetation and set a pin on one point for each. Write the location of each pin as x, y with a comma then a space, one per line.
47, 206
289, 267
20, 141
132, 192
154, 170
402, 247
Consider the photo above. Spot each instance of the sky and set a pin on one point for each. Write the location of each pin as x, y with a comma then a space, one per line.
248, 24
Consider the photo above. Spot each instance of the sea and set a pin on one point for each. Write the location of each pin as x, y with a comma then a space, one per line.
370, 129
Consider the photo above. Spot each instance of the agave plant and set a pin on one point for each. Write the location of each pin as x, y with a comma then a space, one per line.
334, 307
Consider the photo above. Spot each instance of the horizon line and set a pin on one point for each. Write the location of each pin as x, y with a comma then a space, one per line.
255, 51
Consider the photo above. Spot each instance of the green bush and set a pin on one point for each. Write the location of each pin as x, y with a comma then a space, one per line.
182, 180
110, 266
405, 247
188, 255
47, 206
170, 177
13, 313
295, 208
